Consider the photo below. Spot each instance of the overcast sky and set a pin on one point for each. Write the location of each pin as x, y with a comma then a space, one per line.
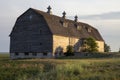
102, 14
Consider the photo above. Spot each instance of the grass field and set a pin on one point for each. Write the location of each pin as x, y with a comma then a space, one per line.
59, 69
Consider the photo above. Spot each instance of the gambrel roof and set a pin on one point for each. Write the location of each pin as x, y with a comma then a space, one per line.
56, 26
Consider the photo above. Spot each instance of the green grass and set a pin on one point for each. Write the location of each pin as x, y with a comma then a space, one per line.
59, 69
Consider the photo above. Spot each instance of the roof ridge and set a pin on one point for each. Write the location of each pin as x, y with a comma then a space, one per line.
56, 16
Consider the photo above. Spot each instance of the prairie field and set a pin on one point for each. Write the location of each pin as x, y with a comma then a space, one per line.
59, 69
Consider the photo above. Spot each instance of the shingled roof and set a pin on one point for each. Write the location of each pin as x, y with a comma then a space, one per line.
55, 24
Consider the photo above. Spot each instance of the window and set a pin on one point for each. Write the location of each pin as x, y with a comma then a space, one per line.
30, 17
40, 43
78, 27
26, 53
34, 54
45, 54
89, 29
16, 53
65, 24
40, 31
84, 42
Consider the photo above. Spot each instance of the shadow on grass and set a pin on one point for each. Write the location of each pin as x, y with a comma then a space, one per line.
91, 55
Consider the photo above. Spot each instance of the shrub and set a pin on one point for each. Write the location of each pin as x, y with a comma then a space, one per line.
106, 48
91, 45
70, 51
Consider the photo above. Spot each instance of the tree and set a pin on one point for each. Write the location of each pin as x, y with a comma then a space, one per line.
106, 48
119, 50
70, 51
91, 45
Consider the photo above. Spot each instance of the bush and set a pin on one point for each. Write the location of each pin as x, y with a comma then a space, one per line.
70, 51
91, 45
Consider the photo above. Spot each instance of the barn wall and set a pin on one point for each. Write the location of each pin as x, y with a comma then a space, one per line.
22, 55
62, 42
30, 34
100, 46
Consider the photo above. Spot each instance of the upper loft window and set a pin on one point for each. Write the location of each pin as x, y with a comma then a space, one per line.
89, 30
65, 24
40, 31
30, 17
78, 27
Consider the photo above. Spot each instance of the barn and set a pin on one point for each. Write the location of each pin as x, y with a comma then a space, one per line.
39, 34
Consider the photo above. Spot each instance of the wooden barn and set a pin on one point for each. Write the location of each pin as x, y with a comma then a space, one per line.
38, 34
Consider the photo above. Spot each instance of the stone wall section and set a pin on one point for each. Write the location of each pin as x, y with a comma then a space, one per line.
100, 46
63, 42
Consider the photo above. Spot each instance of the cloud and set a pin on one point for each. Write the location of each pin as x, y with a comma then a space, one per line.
105, 16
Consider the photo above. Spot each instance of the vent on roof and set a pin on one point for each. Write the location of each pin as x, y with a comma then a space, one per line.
64, 15
63, 20
49, 10
76, 23
76, 18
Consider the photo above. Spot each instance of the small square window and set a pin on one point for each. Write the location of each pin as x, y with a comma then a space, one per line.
40, 31
40, 43
26, 53
34, 54
16, 54
45, 54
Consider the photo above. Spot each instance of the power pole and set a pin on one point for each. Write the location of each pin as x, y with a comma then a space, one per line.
119, 50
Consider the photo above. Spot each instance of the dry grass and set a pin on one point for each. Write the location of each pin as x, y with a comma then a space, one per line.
59, 69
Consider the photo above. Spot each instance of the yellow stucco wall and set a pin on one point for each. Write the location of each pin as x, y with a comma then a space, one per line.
100, 46
61, 41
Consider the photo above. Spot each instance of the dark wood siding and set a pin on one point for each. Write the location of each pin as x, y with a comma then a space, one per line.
31, 34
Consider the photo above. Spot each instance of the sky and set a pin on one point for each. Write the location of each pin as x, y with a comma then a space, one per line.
102, 14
